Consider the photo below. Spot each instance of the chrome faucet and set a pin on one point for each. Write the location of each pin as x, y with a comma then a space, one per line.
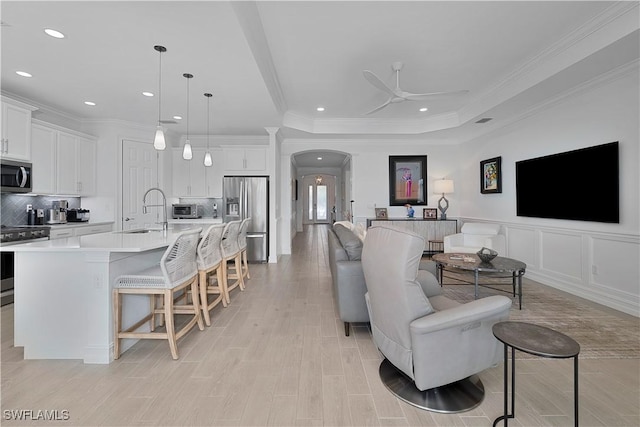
165, 224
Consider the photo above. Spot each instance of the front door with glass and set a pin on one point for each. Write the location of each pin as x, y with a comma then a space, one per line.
319, 199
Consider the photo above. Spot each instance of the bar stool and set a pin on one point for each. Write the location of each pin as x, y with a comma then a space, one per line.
231, 253
176, 272
242, 244
209, 254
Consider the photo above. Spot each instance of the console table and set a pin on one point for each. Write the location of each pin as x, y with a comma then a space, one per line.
430, 229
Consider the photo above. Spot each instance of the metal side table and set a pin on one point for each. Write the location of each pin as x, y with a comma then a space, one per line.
539, 341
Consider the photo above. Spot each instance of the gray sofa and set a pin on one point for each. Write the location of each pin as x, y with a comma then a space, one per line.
349, 287
347, 276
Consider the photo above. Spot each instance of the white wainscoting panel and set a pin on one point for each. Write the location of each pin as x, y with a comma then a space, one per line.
561, 254
522, 244
615, 264
600, 267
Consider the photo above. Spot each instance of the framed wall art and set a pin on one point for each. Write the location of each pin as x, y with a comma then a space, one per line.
381, 213
430, 213
491, 176
407, 180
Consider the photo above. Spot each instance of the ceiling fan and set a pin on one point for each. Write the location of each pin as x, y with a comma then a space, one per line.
397, 95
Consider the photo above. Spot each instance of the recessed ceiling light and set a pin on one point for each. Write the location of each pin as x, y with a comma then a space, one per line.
147, 93
423, 109
90, 103
177, 117
54, 33
319, 158
320, 109
23, 74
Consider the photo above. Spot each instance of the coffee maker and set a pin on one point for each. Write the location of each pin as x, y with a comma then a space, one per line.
58, 212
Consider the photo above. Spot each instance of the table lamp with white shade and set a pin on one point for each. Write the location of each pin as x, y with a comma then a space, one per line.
443, 186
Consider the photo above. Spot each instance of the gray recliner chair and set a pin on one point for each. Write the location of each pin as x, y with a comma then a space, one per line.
433, 346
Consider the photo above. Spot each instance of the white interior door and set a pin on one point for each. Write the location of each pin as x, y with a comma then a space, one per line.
318, 199
139, 173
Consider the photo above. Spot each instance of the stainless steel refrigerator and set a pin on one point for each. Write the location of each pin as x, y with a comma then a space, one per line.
244, 197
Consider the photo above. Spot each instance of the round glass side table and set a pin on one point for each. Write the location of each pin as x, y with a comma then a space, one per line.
538, 341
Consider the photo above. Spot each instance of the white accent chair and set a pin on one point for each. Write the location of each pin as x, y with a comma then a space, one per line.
433, 340
177, 271
474, 236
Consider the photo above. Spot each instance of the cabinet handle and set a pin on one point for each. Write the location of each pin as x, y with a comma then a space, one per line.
6, 141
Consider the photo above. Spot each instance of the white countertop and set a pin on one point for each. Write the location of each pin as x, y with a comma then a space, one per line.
116, 241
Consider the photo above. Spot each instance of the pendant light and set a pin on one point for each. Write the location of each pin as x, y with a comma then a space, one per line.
187, 154
207, 157
159, 141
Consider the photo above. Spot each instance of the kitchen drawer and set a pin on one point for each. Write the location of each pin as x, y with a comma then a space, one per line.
60, 233
93, 229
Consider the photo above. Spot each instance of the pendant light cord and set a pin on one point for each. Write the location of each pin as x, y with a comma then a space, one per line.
187, 109
160, 89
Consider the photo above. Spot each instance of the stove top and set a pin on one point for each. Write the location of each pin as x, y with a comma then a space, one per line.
23, 233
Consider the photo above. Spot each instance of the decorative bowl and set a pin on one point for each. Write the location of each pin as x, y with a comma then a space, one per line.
486, 254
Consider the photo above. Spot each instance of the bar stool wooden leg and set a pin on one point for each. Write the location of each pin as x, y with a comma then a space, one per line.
204, 297
223, 286
195, 285
117, 308
245, 265
238, 264
168, 315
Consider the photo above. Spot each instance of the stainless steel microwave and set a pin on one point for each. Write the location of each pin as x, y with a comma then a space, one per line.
187, 210
15, 176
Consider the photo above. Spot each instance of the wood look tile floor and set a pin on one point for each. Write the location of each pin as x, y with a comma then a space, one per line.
278, 356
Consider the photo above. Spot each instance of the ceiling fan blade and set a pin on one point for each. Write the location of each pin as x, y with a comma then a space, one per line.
374, 80
425, 96
380, 107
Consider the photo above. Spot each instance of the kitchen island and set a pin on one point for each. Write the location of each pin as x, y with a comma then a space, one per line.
63, 291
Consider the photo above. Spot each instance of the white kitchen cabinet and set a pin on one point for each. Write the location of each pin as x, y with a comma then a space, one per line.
67, 165
16, 130
244, 160
87, 166
191, 178
78, 229
188, 175
60, 233
43, 158
92, 229
215, 174
75, 165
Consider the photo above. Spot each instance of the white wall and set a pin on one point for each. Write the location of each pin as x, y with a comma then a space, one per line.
106, 204
597, 261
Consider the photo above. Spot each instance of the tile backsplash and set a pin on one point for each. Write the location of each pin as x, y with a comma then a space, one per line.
13, 209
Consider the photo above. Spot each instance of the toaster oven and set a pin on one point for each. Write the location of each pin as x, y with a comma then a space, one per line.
186, 210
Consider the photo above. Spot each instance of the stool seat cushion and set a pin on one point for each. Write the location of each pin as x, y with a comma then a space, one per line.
149, 278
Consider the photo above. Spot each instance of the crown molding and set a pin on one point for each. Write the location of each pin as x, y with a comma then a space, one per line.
598, 81
611, 25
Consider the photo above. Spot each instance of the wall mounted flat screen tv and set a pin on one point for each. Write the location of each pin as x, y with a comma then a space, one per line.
580, 185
